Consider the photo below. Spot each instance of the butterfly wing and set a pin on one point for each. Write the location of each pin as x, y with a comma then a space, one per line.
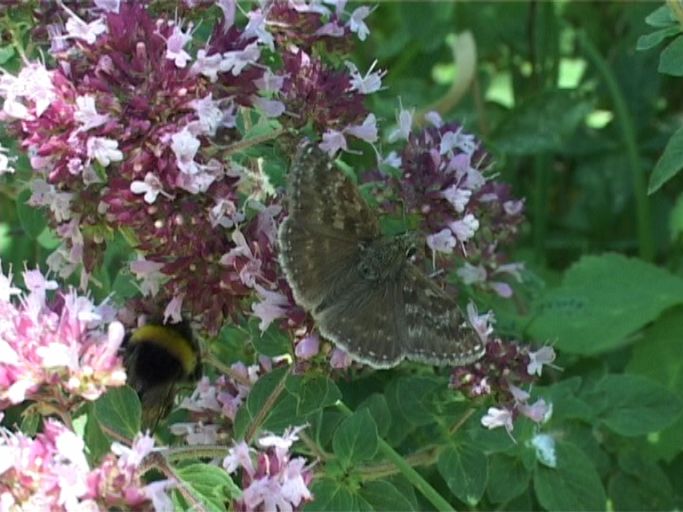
367, 321
437, 332
325, 198
328, 219
314, 263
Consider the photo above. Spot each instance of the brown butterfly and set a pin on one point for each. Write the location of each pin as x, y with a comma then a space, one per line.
361, 287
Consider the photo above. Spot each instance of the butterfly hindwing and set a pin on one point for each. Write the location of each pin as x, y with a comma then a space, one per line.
367, 321
437, 332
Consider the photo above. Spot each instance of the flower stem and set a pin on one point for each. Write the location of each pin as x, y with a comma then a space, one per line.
625, 122
407, 470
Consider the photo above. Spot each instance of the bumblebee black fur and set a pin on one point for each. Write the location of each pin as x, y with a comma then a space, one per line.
157, 357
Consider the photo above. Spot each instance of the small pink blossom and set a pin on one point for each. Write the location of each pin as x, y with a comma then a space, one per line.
495, 418
104, 150
366, 131
175, 46
371, 82
543, 356
357, 24
405, 125
307, 347
443, 241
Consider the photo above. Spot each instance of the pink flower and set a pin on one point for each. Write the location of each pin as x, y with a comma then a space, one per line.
307, 347
543, 356
47, 354
495, 418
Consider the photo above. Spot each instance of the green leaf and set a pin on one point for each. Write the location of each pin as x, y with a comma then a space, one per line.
631, 405
671, 58
601, 301
573, 485
312, 393
465, 470
211, 485
378, 407
542, 123
669, 164
382, 495
33, 220
119, 411
95, 439
6, 53
660, 17
654, 38
508, 478
642, 485
272, 343
657, 356
356, 438
330, 495
258, 397
412, 398
566, 402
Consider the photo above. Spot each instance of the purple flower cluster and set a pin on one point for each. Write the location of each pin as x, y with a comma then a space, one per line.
58, 352
461, 210
51, 472
499, 374
131, 132
276, 480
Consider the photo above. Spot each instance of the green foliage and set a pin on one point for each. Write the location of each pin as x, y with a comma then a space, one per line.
601, 301
118, 411
587, 130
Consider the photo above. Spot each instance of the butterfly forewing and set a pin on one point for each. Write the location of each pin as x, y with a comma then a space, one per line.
315, 262
321, 195
436, 329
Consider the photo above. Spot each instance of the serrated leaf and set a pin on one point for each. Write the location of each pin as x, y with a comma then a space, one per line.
573, 485
33, 220
654, 38
330, 495
272, 343
377, 405
256, 401
312, 393
669, 164
119, 411
382, 495
465, 470
413, 399
631, 405
209, 484
356, 438
671, 58
601, 301
508, 478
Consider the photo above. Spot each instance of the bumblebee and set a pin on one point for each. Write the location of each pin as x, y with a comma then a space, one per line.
158, 357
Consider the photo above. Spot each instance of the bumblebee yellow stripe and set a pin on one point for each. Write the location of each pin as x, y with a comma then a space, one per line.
170, 340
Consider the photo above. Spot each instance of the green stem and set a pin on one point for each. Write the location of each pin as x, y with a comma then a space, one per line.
407, 470
628, 134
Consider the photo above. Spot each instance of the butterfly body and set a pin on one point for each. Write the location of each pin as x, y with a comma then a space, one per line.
360, 286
